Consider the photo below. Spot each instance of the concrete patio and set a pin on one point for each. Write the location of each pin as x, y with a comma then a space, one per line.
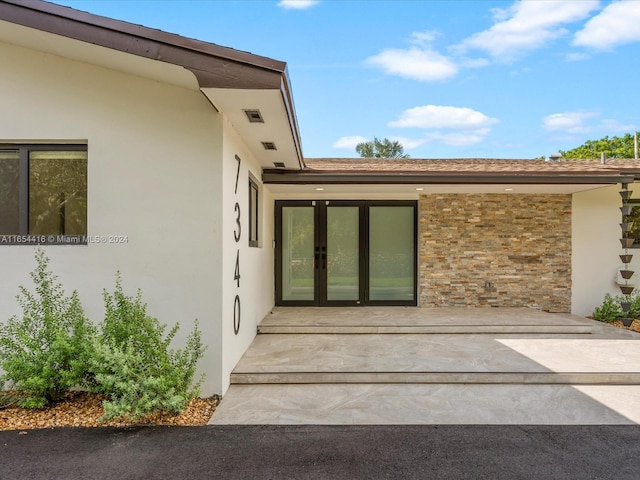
397, 365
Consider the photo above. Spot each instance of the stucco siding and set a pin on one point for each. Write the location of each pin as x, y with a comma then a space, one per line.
596, 246
255, 287
154, 177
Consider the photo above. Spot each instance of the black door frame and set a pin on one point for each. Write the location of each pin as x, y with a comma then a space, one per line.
320, 252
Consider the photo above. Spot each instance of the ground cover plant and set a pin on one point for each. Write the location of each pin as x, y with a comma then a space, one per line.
610, 310
127, 360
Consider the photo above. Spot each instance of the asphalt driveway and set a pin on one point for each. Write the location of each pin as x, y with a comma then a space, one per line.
324, 452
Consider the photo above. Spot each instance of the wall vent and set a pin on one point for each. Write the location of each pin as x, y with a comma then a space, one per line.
269, 145
254, 116
279, 164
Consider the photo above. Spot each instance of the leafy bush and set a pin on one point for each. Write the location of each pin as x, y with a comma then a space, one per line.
609, 310
8, 395
634, 298
45, 352
133, 364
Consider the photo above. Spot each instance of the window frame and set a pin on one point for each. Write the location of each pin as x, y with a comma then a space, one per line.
24, 237
254, 223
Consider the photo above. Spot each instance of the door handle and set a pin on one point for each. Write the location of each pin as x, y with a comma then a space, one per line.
324, 257
316, 257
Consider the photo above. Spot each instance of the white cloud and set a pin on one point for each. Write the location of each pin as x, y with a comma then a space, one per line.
424, 38
454, 126
349, 142
580, 123
297, 4
576, 57
617, 24
423, 64
435, 116
527, 25
571, 122
614, 126
461, 139
409, 143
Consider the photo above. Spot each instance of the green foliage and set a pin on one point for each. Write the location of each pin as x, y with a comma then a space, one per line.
609, 310
45, 352
634, 298
384, 148
8, 395
133, 364
614, 147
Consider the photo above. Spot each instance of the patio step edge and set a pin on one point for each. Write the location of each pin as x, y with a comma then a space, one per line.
426, 329
523, 378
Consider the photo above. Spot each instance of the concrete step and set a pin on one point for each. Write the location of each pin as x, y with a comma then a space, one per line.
405, 320
426, 329
411, 404
491, 378
439, 358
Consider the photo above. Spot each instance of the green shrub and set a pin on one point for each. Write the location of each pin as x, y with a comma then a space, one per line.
8, 395
634, 298
45, 352
610, 308
133, 364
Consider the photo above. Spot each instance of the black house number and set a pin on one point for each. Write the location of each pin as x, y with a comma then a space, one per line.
237, 234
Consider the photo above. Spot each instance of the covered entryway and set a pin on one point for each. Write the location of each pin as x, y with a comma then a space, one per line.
348, 253
390, 365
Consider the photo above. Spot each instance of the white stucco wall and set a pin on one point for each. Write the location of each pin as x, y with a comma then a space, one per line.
256, 290
154, 175
596, 246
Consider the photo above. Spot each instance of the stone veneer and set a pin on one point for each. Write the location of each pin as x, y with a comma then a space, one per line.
507, 250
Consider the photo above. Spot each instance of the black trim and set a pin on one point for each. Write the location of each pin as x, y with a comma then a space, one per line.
254, 230
23, 237
320, 241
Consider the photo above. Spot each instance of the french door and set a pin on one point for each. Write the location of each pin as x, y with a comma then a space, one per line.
333, 253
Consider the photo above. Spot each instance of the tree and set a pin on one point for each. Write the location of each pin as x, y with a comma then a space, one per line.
384, 148
615, 147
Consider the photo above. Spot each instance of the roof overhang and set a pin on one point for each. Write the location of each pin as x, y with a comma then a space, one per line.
232, 80
282, 177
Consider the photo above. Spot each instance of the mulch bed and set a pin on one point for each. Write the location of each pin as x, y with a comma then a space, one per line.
82, 409
635, 325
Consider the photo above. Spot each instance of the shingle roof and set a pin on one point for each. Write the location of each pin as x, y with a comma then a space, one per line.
469, 166
455, 171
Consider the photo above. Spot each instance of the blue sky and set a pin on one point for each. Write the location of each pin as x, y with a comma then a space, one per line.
448, 79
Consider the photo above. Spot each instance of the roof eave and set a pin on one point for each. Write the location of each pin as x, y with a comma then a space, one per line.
306, 178
214, 66
131, 38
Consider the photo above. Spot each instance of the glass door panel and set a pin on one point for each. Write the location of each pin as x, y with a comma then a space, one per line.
343, 253
298, 242
391, 253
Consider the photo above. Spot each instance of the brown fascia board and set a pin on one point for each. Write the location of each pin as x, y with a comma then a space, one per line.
271, 176
214, 66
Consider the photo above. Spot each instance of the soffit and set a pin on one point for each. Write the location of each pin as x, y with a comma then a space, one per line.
276, 127
231, 79
65, 47
337, 192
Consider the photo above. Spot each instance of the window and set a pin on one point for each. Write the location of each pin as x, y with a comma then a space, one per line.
43, 194
254, 194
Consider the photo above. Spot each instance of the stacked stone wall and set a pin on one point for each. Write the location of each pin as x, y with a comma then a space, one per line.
502, 250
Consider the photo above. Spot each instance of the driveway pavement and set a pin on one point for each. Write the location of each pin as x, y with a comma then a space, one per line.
324, 452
